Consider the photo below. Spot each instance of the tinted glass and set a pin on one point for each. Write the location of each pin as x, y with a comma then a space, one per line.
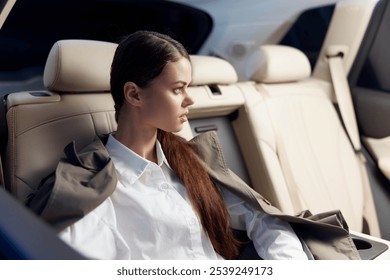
376, 67
308, 32
34, 25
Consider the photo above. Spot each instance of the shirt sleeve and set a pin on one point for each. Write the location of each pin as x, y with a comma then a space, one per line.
273, 238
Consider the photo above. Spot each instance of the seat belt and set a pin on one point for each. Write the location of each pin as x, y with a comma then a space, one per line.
344, 99
347, 112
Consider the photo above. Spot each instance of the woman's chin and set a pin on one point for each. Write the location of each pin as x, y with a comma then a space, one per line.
175, 129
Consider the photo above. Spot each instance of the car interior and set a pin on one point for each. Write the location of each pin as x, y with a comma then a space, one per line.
280, 128
77, 106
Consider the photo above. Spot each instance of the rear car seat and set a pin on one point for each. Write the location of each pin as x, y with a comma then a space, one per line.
77, 105
298, 152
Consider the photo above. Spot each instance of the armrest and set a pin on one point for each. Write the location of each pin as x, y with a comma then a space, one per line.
380, 149
370, 247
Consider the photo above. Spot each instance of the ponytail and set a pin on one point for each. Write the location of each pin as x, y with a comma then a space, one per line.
203, 194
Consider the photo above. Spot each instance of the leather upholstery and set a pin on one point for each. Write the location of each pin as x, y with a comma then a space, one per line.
277, 64
77, 105
292, 130
212, 70
93, 60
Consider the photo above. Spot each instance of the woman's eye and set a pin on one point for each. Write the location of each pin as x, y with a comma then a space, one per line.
178, 90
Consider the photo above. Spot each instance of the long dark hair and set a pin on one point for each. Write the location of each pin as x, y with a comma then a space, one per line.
140, 58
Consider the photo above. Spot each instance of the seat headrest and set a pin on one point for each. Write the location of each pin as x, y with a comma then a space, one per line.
207, 70
84, 66
277, 64
79, 66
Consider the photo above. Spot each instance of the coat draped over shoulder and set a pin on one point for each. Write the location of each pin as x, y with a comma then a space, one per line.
84, 179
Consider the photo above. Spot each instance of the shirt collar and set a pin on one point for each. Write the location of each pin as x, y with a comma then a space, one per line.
125, 160
161, 159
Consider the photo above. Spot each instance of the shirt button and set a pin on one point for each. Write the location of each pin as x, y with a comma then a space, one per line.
164, 186
133, 179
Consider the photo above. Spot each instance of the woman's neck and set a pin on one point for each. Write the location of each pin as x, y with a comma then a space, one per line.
142, 141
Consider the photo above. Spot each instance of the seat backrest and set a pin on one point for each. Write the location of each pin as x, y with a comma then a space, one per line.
298, 152
77, 105
217, 98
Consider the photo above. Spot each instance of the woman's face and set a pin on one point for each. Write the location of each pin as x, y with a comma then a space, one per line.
165, 101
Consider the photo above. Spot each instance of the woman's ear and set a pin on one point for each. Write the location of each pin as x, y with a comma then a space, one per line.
131, 92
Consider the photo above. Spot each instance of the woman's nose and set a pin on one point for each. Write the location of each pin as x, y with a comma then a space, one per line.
187, 100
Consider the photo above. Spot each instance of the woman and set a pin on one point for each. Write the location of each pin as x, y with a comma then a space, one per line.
164, 204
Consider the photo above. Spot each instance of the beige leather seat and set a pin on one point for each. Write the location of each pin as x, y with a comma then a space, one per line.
299, 156
77, 105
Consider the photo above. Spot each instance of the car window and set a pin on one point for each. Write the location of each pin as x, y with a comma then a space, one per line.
376, 65
24, 44
308, 32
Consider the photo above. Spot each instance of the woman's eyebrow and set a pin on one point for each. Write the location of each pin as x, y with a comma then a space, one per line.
180, 82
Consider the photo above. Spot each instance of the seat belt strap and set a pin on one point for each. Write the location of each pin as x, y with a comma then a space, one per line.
344, 99
347, 112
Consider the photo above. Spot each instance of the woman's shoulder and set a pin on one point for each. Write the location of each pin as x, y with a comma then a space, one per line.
86, 178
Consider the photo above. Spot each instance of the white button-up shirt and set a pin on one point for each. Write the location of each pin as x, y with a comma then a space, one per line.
149, 216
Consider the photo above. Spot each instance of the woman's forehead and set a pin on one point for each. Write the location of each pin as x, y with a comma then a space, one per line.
177, 71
